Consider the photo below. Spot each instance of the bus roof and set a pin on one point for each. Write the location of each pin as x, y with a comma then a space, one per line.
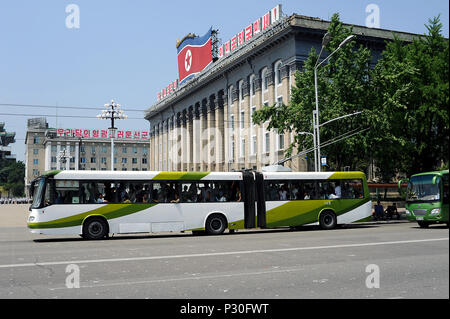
192, 176
142, 175
442, 172
313, 175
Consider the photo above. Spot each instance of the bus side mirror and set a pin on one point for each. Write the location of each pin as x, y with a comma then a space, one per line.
400, 182
435, 180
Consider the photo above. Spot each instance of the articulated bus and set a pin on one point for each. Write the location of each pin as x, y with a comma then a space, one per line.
95, 204
427, 197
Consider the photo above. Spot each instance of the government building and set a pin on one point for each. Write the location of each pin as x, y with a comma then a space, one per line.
76, 149
206, 123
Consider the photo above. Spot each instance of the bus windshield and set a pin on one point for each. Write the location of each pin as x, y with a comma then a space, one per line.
37, 193
421, 188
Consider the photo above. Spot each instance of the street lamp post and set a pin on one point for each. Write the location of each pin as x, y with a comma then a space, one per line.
325, 41
112, 112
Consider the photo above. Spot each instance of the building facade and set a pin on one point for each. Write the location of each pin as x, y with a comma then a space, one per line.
6, 138
206, 124
44, 147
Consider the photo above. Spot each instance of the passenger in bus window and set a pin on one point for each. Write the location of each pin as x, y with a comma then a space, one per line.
283, 193
100, 199
221, 197
238, 194
176, 199
126, 199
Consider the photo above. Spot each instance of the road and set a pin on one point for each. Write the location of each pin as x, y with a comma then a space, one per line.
373, 260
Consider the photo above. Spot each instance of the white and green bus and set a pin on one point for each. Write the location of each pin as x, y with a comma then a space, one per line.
95, 204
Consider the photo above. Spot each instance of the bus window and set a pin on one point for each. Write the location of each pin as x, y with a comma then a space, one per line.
330, 189
277, 191
445, 188
210, 191
67, 192
352, 188
94, 192
164, 192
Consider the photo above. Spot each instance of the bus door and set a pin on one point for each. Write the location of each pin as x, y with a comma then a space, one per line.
249, 199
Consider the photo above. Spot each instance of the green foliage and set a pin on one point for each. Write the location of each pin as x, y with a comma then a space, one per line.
12, 177
404, 100
410, 99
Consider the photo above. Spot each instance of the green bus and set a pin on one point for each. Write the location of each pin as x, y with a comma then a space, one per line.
427, 198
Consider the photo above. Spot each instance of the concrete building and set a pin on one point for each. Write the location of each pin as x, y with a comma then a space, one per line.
6, 138
43, 145
206, 124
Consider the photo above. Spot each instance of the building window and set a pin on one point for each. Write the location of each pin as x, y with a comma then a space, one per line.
280, 141
134, 149
103, 160
264, 79
115, 160
82, 149
252, 85
93, 160
72, 148
124, 160
35, 151
242, 124
124, 150
35, 161
232, 123
104, 150
35, 172
242, 147
134, 160
36, 140
83, 160
278, 73
53, 159
144, 160
232, 150
280, 100
53, 148
267, 144
254, 146
144, 151
93, 149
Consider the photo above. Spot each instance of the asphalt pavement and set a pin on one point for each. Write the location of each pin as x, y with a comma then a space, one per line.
392, 260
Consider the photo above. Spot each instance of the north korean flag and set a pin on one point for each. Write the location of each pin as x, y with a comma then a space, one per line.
194, 54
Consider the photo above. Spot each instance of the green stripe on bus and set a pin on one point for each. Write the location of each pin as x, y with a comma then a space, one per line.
346, 175
109, 211
295, 213
180, 176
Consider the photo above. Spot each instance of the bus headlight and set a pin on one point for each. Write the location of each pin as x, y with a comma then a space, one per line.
435, 211
408, 213
30, 219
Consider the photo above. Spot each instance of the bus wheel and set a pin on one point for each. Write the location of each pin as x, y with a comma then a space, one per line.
423, 224
215, 224
95, 228
327, 220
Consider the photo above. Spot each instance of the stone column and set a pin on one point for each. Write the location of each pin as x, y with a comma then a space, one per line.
220, 132
211, 142
196, 130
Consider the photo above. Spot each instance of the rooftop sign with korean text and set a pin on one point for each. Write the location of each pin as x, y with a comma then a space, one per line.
96, 133
250, 31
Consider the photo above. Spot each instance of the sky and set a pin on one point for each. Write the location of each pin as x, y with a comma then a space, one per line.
126, 50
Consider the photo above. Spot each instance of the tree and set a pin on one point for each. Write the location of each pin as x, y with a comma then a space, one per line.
410, 100
12, 176
343, 85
